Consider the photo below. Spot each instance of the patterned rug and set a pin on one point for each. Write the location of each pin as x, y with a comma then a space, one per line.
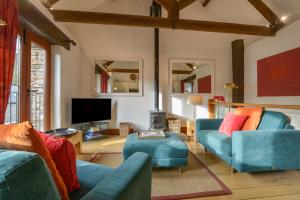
195, 180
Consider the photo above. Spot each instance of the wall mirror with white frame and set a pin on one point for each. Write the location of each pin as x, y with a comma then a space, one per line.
191, 76
123, 77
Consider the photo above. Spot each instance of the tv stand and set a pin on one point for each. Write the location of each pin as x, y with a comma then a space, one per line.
85, 127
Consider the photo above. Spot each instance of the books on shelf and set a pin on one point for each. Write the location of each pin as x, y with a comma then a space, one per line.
151, 134
92, 133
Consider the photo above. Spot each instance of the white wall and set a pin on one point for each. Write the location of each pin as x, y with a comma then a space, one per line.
66, 75
194, 45
120, 42
123, 42
286, 39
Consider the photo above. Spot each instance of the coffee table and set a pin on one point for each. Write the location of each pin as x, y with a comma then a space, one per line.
168, 152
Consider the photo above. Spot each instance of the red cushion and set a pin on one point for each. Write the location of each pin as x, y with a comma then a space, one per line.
64, 156
232, 123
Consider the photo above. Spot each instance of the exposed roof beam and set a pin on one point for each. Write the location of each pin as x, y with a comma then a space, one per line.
145, 21
108, 63
267, 13
122, 70
223, 27
49, 3
184, 3
166, 4
190, 78
181, 72
205, 3
191, 66
35, 21
110, 19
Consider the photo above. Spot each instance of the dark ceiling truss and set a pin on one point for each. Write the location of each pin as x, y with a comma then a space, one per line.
172, 21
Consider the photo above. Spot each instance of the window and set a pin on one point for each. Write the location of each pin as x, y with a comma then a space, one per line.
12, 114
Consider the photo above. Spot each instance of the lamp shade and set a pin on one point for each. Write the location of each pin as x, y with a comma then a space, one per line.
2, 23
194, 100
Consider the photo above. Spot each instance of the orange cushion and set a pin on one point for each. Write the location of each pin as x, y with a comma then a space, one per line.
24, 138
254, 116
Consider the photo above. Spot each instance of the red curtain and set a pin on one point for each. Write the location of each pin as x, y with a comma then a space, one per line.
8, 37
104, 81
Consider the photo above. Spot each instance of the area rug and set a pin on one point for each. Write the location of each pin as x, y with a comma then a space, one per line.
195, 180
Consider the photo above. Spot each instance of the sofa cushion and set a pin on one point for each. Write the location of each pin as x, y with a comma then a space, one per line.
232, 123
272, 120
217, 141
89, 176
25, 176
23, 137
254, 117
64, 156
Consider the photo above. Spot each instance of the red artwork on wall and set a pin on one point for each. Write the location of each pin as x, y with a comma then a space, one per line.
204, 84
279, 75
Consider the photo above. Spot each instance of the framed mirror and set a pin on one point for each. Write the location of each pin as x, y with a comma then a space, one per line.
191, 76
118, 77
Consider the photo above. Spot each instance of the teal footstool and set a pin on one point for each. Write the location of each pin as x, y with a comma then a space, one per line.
168, 152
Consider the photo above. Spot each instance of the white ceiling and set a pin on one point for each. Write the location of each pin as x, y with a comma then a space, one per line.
234, 11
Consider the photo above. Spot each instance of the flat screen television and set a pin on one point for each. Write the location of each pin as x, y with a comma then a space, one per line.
90, 110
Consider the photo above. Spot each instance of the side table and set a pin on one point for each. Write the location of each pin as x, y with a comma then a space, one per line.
76, 140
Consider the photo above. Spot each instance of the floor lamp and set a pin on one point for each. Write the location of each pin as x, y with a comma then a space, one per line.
230, 87
194, 100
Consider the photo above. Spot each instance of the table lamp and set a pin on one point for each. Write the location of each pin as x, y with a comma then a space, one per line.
2, 23
194, 100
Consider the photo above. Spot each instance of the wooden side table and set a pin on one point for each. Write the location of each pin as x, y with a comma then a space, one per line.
76, 140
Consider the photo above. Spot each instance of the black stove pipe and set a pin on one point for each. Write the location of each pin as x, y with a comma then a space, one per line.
155, 11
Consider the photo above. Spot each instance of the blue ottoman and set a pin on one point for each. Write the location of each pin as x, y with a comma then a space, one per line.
168, 152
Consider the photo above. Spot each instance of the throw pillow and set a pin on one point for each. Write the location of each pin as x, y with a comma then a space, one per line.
23, 137
232, 123
254, 117
64, 156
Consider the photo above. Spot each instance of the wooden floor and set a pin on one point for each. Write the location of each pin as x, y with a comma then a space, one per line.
267, 186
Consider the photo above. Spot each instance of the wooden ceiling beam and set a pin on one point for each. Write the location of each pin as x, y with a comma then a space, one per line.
49, 3
267, 13
166, 4
205, 3
110, 19
181, 72
35, 21
184, 3
223, 27
108, 63
122, 70
190, 65
147, 21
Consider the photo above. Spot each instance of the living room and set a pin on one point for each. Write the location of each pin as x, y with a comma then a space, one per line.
130, 56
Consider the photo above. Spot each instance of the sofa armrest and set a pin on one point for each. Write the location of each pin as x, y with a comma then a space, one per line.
130, 181
266, 150
208, 124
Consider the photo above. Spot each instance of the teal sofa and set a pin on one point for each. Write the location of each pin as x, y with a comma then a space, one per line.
273, 146
24, 176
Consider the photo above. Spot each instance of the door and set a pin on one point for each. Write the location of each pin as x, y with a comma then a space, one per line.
38, 82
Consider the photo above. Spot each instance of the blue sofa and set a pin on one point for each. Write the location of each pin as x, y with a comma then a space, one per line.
24, 175
273, 146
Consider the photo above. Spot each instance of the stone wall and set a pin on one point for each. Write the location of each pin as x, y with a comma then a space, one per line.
37, 94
